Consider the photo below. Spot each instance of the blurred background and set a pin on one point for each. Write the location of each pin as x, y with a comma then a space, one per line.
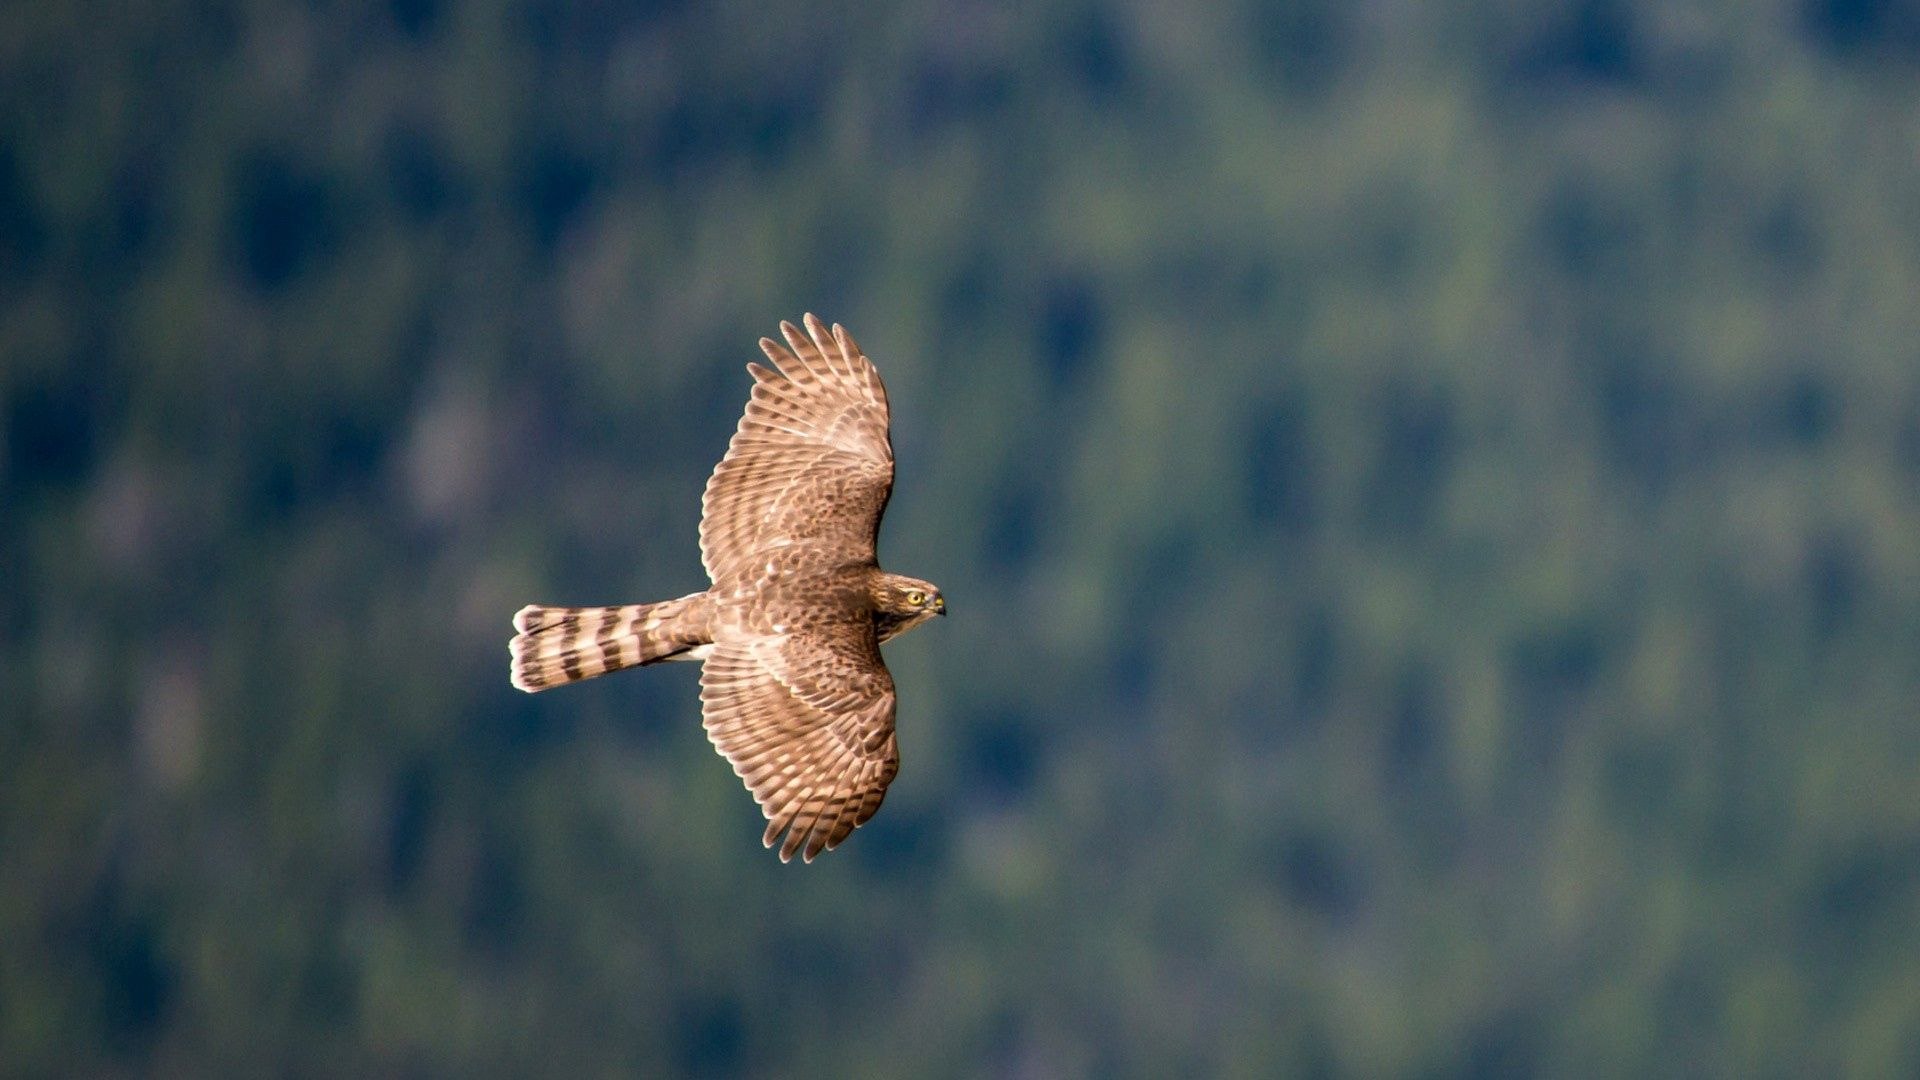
1429, 497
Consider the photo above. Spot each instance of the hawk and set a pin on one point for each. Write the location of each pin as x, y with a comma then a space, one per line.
793, 692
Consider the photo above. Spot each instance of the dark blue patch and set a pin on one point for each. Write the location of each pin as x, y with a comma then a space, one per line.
51, 432
710, 1037
281, 218
1281, 491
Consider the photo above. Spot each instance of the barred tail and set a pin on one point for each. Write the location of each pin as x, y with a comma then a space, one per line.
558, 645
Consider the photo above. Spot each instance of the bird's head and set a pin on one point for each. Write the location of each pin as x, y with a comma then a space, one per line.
902, 603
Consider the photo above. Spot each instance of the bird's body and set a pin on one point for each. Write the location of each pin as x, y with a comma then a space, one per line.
793, 690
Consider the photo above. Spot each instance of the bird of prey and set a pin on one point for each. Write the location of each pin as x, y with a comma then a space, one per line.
793, 692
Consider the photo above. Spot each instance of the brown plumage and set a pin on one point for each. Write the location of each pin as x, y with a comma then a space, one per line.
794, 693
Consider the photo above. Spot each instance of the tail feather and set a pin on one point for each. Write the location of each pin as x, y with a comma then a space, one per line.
556, 645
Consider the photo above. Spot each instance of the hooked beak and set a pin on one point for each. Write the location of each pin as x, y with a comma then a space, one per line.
939, 605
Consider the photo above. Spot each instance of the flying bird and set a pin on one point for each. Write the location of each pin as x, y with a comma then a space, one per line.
793, 692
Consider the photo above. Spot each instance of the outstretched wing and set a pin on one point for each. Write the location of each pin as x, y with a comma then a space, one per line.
806, 720
810, 463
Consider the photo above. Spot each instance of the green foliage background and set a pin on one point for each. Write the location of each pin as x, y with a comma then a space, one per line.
1429, 496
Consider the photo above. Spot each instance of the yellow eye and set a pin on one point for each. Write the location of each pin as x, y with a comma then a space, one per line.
916, 597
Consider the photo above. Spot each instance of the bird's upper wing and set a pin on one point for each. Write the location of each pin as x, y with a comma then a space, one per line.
811, 462
806, 720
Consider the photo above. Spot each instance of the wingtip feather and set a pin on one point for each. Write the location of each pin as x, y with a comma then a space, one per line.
776, 353
848, 347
